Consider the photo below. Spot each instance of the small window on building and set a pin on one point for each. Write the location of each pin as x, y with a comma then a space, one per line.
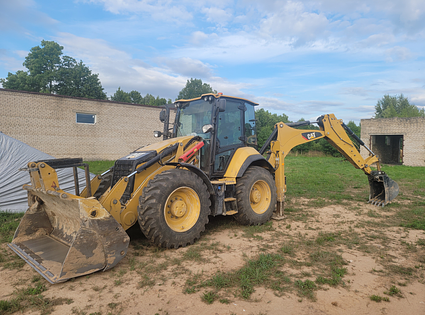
86, 118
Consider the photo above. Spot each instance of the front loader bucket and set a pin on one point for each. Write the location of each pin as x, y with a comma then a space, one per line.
63, 236
382, 188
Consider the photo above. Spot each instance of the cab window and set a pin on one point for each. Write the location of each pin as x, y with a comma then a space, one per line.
230, 125
250, 130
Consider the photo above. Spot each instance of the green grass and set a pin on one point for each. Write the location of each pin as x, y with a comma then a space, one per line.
253, 231
194, 253
255, 272
98, 167
377, 298
266, 270
328, 180
335, 178
209, 297
31, 298
394, 291
306, 288
311, 177
8, 224
413, 216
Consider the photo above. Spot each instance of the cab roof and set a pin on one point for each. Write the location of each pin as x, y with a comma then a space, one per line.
217, 96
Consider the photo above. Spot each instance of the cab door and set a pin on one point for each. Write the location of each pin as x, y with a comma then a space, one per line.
230, 134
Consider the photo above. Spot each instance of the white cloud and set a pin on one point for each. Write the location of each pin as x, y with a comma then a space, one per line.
260, 30
398, 53
9, 62
117, 68
199, 38
376, 40
364, 109
273, 103
293, 20
217, 16
356, 91
166, 10
16, 15
155, 46
276, 29
234, 48
187, 67
21, 53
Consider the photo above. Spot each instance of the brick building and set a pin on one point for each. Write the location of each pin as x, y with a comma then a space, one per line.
76, 127
395, 140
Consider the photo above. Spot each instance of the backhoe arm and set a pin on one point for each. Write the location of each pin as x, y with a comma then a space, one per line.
335, 132
285, 137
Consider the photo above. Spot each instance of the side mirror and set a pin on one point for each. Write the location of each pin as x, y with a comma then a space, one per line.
162, 115
207, 128
221, 104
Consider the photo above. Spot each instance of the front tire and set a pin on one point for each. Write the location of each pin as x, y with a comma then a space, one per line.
255, 196
174, 208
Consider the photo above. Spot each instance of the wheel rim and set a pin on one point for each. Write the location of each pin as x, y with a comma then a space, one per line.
182, 209
260, 196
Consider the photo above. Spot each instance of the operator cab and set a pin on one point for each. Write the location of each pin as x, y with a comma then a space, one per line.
225, 124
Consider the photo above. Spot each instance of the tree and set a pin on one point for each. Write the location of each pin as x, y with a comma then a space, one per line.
396, 106
20, 81
195, 88
265, 124
121, 96
308, 146
42, 64
76, 79
323, 145
48, 72
149, 99
136, 97
160, 101
356, 129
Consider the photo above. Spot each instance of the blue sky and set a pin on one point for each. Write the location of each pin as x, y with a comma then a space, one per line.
301, 58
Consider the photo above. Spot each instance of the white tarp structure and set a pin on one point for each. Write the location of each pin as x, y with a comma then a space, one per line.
14, 155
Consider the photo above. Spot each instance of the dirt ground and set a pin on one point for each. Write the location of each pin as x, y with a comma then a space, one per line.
377, 256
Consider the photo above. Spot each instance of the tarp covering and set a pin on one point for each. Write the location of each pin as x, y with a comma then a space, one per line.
14, 155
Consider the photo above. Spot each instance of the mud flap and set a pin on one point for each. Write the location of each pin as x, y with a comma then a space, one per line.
63, 237
382, 188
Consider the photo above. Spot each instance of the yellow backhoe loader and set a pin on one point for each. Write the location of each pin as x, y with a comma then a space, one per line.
207, 164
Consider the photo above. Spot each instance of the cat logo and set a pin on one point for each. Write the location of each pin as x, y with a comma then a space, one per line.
311, 135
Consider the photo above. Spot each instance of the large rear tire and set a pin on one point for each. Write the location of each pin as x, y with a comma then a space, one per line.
174, 208
255, 196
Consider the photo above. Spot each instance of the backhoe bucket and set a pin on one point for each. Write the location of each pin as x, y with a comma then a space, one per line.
382, 188
63, 236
